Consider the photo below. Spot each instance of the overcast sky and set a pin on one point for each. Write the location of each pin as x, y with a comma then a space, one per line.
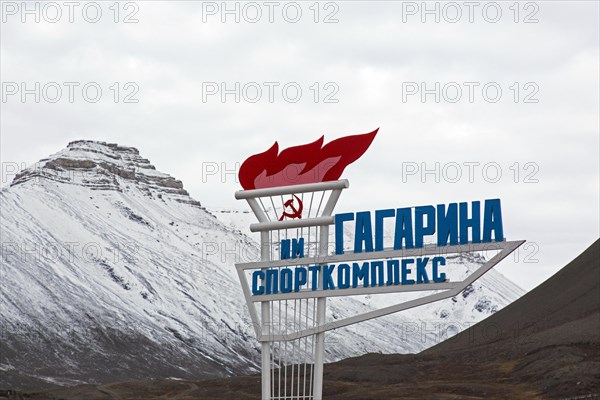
369, 61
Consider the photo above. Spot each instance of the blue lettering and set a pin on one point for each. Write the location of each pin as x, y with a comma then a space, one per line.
492, 221
406, 271
379, 234
421, 272
363, 236
447, 224
403, 229
390, 274
314, 276
285, 249
474, 222
360, 274
298, 248
272, 284
339, 230
327, 278
437, 276
343, 276
300, 278
286, 280
377, 271
395, 267
258, 276
422, 228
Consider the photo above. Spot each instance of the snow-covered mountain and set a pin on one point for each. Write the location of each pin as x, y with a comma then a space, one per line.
111, 271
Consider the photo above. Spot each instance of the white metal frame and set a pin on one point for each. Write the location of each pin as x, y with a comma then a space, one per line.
264, 226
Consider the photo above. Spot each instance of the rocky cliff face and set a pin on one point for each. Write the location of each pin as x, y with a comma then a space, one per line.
104, 166
109, 273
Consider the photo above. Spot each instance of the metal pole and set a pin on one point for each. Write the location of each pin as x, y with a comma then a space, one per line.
321, 301
320, 337
265, 317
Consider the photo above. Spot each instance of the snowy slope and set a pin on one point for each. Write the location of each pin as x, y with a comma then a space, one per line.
110, 271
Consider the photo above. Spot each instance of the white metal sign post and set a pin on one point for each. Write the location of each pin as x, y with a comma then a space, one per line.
267, 204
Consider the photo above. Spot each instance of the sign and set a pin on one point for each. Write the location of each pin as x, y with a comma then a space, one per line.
293, 193
448, 224
296, 210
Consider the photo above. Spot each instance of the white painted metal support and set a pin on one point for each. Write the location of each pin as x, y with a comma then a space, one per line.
322, 301
380, 255
265, 319
321, 315
292, 189
309, 294
319, 352
290, 224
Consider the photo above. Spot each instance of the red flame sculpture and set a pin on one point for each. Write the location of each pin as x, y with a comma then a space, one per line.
308, 163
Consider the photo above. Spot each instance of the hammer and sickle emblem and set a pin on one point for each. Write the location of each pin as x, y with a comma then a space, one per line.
296, 212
